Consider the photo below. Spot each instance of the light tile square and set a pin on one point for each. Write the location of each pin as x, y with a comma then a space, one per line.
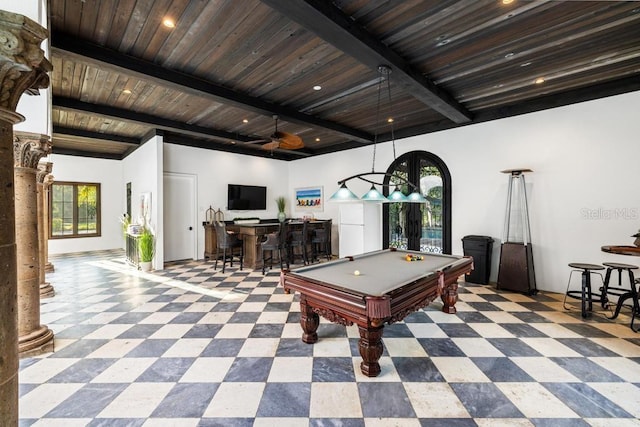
227, 403
187, 347
341, 400
176, 330
459, 370
207, 370
235, 330
544, 370
259, 347
403, 347
137, 401
549, 347
435, 400
124, 370
477, 347
44, 398
291, 369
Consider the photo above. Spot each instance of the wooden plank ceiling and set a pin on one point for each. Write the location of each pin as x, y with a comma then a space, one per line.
218, 77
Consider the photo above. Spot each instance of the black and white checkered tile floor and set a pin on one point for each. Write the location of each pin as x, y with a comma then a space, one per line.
190, 346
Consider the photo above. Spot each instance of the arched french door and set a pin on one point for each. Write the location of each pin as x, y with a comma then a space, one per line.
419, 226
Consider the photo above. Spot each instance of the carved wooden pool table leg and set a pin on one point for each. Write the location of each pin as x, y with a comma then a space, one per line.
370, 347
309, 322
449, 298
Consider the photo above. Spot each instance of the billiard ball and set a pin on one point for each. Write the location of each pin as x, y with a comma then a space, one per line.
356, 273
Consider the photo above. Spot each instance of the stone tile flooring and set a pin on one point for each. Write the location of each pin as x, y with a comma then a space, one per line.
190, 346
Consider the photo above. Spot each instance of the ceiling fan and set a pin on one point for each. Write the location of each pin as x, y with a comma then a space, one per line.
280, 140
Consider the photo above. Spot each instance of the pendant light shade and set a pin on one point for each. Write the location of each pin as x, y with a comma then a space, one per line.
416, 197
344, 195
397, 196
373, 195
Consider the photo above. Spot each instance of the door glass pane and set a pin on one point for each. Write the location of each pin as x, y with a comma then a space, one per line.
398, 214
431, 212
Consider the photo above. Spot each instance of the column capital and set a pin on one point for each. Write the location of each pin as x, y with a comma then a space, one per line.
29, 148
44, 169
23, 66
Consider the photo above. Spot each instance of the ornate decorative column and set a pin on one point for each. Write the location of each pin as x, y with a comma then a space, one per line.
22, 67
44, 169
28, 149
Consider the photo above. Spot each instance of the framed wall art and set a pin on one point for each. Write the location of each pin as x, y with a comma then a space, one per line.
309, 199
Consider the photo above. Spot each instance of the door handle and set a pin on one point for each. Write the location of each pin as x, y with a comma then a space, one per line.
190, 228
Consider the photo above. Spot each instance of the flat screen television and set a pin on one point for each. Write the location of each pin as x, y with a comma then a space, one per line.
246, 197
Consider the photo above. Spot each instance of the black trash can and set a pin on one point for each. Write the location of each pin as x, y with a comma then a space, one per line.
479, 247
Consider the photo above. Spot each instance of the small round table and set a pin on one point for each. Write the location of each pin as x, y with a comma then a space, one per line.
633, 293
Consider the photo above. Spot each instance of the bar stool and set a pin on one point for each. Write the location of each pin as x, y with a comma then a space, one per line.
623, 294
585, 294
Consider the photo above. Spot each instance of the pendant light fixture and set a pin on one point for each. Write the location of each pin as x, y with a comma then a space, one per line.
343, 194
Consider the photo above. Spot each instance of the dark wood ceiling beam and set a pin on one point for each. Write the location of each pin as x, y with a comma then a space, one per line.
110, 59
82, 153
329, 23
70, 104
67, 131
161, 123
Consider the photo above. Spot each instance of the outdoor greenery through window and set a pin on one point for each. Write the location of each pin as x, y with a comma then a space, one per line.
74, 210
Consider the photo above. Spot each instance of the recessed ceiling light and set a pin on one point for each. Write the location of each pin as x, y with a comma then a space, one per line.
169, 23
317, 87
444, 42
317, 139
232, 142
245, 120
509, 55
126, 91
390, 120
525, 64
539, 80
507, 1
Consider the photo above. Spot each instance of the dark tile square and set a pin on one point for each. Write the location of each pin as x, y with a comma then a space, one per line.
186, 401
473, 317
257, 298
559, 422
418, 317
249, 369
226, 306
227, 347
278, 306
485, 400
185, 318
501, 369
127, 318
87, 402
226, 422
151, 348
385, 400
397, 330
117, 422
585, 401
285, 400
203, 331
537, 306
333, 369
447, 422
523, 330
331, 330
586, 370
513, 347
336, 422
586, 347
530, 317
140, 331
441, 347
494, 298
417, 369
175, 306
166, 369
78, 331
83, 371
483, 306
587, 331
266, 330
294, 347
244, 317
458, 330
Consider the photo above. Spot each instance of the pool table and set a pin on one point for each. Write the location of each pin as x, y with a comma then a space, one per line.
373, 289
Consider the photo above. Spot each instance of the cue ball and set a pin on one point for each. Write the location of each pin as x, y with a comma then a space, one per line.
356, 273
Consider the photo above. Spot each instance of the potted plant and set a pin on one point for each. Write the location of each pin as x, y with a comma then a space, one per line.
146, 248
281, 203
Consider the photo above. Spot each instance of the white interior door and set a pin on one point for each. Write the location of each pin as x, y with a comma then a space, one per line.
180, 238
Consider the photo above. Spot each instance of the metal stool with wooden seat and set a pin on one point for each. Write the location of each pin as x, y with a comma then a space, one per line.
274, 242
585, 294
321, 241
298, 239
623, 294
227, 242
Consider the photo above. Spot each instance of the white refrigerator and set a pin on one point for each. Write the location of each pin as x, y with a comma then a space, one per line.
360, 228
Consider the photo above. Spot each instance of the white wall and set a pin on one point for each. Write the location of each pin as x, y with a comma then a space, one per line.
582, 194
216, 169
106, 172
143, 169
